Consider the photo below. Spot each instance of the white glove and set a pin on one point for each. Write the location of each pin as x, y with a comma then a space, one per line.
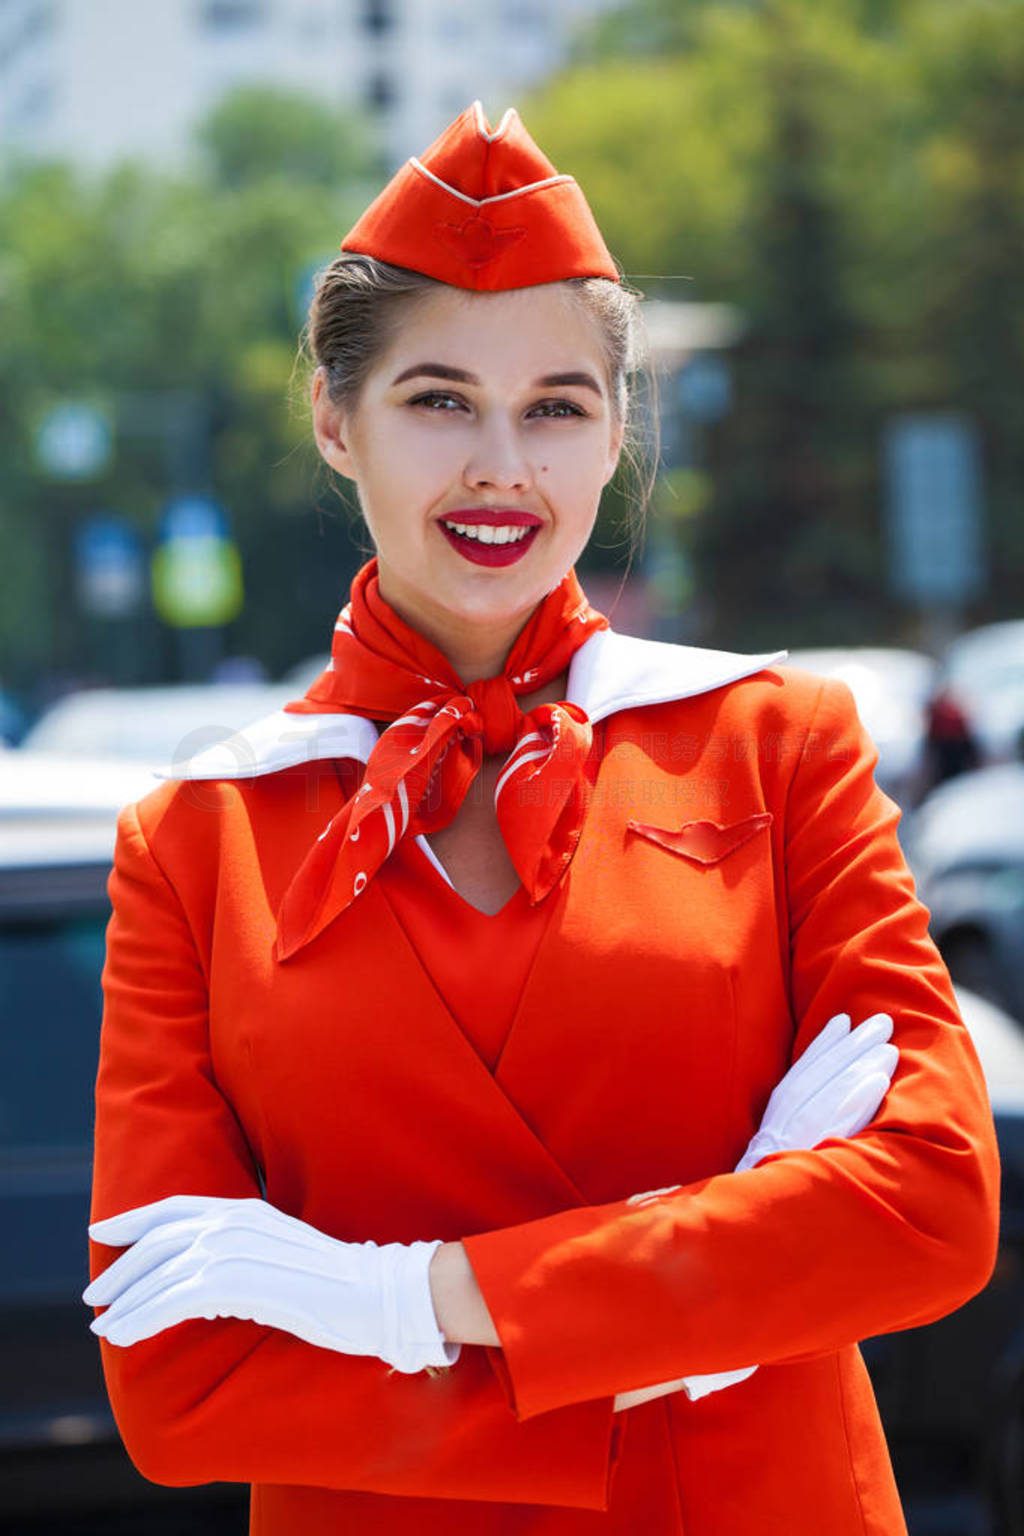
204, 1256
833, 1089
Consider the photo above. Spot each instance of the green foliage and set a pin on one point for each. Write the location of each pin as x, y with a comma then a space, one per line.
851, 175
176, 305
259, 133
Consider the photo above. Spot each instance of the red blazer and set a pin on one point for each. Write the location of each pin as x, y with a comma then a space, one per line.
680, 973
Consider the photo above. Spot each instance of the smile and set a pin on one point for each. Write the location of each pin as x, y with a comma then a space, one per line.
489, 544
488, 534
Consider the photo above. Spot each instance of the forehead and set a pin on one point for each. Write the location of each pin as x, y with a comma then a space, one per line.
500, 337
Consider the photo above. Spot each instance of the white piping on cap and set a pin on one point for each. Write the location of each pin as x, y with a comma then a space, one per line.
478, 202
481, 122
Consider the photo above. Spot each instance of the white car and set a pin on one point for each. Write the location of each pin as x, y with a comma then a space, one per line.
891, 688
57, 810
158, 726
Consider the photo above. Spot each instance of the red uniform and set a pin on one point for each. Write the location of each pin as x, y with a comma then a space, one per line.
677, 970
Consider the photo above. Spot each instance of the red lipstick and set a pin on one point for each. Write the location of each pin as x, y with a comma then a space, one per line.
473, 548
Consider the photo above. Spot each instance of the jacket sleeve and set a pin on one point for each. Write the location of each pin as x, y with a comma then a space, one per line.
226, 1399
810, 1250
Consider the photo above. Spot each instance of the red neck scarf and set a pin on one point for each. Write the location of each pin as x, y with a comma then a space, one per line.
424, 762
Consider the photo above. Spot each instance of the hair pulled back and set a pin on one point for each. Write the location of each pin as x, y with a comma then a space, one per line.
359, 303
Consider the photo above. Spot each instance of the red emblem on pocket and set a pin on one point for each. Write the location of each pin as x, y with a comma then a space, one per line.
704, 841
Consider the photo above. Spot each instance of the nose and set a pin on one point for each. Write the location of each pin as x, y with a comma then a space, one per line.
497, 459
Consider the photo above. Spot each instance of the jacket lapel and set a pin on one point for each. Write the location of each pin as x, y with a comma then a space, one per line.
356, 1032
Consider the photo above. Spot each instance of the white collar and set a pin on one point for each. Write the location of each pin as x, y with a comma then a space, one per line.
608, 673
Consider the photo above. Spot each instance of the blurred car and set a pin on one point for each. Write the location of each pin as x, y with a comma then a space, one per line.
13, 719
951, 1393
60, 1453
965, 846
304, 673
891, 688
157, 725
976, 712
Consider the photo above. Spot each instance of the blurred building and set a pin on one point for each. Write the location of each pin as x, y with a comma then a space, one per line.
98, 80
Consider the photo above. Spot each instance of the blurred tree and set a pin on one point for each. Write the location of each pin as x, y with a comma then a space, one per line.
762, 209
175, 304
259, 132
849, 172
789, 549
659, 27
969, 62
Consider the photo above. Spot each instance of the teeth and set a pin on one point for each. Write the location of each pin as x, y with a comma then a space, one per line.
489, 535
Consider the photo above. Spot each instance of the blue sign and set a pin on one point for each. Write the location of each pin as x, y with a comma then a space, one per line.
933, 509
704, 387
109, 565
193, 517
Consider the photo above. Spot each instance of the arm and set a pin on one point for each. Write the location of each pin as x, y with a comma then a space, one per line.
459, 1304
229, 1399
832, 1090
812, 1249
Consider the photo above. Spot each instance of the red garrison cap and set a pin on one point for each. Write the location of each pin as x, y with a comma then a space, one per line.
483, 209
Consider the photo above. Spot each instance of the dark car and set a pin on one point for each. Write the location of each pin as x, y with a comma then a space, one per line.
60, 1454
965, 845
951, 1394
976, 711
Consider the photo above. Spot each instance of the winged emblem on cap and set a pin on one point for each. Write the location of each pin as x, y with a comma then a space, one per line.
477, 241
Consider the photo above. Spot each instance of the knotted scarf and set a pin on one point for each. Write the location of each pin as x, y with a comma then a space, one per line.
419, 772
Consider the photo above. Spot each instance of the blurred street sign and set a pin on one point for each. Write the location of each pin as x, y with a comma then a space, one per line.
933, 509
704, 388
193, 517
74, 441
109, 566
196, 570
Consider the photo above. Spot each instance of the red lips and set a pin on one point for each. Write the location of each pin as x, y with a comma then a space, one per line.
492, 517
479, 553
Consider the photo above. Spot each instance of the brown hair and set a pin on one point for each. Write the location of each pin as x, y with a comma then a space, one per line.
359, 301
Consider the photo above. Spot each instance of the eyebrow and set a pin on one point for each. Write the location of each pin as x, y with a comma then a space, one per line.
460, 376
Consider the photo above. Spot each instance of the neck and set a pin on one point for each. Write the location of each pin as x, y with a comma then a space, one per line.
472, 661
474, 651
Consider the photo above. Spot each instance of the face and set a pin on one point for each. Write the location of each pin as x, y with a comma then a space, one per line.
491, 412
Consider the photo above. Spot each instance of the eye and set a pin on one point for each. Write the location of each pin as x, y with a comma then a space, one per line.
441, 402
437, 400
557, 409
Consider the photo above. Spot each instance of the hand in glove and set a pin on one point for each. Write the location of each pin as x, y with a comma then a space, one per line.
204, 1256
833, 1089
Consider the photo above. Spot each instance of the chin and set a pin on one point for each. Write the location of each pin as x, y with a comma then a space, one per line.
501, 606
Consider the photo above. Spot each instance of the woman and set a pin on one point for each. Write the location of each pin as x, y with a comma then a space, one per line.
482, 1141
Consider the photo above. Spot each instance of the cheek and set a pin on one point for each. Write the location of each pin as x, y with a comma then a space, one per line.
403, 466
574, 480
